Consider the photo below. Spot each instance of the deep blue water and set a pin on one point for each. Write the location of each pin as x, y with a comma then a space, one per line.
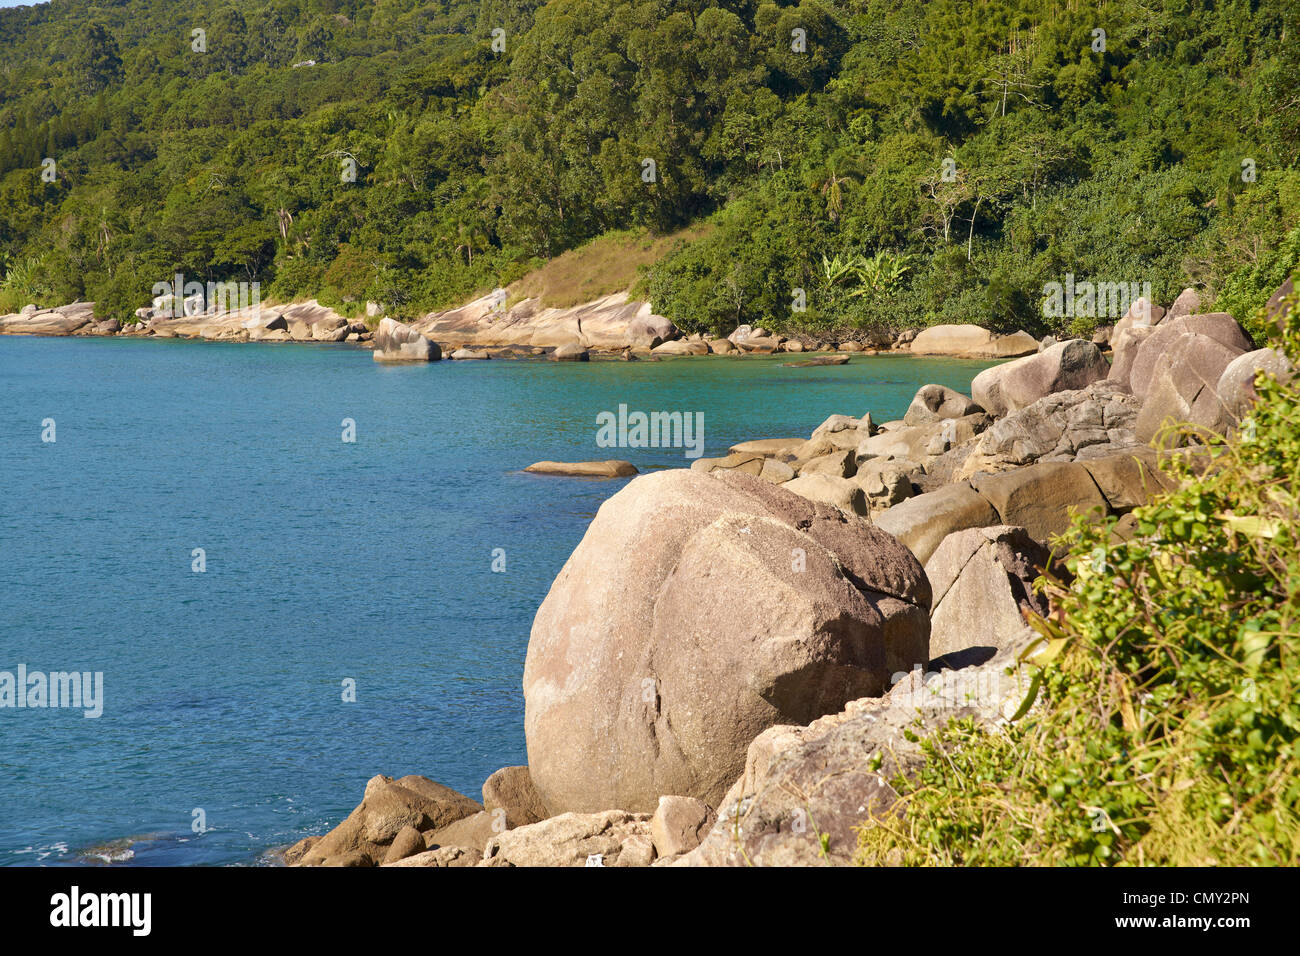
325, 561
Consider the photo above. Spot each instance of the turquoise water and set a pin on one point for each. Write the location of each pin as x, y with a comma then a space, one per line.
325, 561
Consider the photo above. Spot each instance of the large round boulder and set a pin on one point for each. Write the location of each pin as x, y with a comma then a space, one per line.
1219, 327
972, 341
697, 611
1015, 385
934, 403
1236, 387
395, 342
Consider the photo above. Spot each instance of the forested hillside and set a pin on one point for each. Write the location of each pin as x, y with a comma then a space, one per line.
901, 162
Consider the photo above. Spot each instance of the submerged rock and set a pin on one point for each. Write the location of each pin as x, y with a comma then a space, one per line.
612, 468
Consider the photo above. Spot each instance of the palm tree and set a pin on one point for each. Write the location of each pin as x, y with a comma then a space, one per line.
840, 169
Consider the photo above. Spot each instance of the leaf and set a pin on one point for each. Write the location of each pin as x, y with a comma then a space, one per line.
1252, 526
1030, 696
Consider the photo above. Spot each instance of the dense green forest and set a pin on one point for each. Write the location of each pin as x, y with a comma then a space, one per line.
901, 162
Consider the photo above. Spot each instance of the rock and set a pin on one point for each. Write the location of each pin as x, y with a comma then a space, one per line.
608, 838
983, 587
934, 403
768, 447
1236, 386
584, 469
1187, 303
1041, 498
1067, 365
408, 842
832, 490
511, 789
1125, 346
644, 677
836, 464
681, 347
1129, 480
1046, 343
919, 442
678, 825
842, 431
924, 521
64, 320
334, 329
794, 345
806, 791
470, 355
737, 461
610, 323
1101, 337
971, 341
722, 347
1218, 327
1060, 426
472, 832
395, 342
443, 856
1279, 304
570, 353
294, 854
759, 344
885, 482
777, 472
646, 330
819, 360
388, 807
1183, 384
951, 340
1140, 314
850, 346
809, 450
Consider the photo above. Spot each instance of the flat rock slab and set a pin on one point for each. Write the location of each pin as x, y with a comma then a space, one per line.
767, 447
820, 360
584, 469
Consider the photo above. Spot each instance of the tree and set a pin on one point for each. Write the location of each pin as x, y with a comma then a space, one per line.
96, 62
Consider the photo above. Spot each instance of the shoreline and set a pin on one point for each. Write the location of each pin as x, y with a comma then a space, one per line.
958, 497
610, 327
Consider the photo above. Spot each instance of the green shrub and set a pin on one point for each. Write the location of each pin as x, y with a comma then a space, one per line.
1167, 729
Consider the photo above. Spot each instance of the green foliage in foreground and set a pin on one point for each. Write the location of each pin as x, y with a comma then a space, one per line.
474, 164
1167, 729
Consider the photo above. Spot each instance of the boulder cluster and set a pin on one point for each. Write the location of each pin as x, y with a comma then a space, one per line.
738, 658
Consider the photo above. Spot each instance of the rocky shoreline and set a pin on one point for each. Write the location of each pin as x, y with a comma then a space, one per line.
611, 327
738, 657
